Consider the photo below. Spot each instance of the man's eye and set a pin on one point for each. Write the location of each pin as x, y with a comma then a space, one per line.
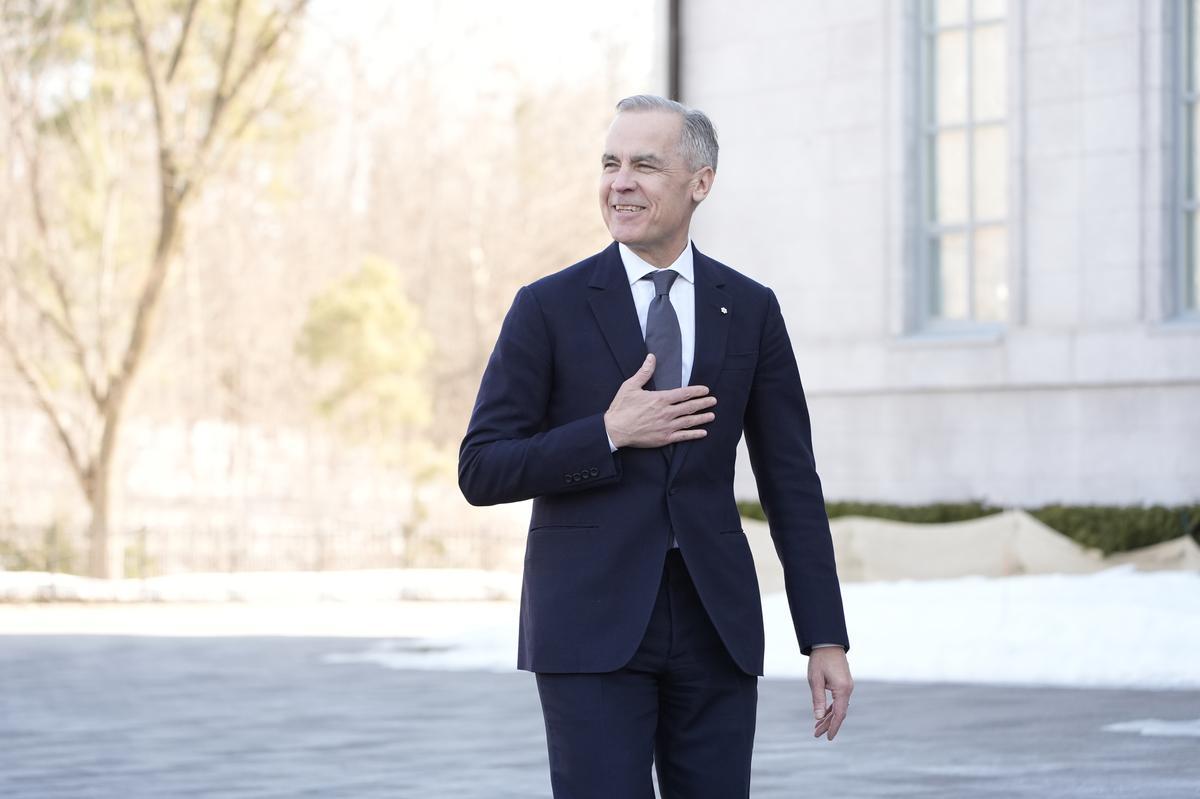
610, 165
645, 168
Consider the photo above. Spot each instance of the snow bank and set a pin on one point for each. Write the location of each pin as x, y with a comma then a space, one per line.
1117, 628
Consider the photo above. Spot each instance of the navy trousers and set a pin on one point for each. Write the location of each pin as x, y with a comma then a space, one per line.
681, 703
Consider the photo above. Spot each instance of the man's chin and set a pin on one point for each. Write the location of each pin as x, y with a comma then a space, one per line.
624, 234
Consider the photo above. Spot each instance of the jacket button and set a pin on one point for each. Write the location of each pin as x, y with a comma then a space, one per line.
576, 476
595, 471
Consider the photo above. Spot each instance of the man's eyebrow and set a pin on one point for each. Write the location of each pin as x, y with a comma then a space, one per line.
643, 158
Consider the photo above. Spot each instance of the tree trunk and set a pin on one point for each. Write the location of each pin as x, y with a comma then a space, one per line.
106, 557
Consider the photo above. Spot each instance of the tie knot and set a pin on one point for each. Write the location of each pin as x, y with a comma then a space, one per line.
663, 278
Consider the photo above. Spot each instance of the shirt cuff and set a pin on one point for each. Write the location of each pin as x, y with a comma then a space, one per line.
818, 646
611, 446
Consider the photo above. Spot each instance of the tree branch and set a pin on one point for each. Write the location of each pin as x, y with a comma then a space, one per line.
214, 164
147, 304
65, 330
177, 56
165, 157
41, 395
266, 40
104, 267
219, 98
64, 326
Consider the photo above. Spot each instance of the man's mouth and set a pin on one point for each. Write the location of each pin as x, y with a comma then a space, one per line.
628, 209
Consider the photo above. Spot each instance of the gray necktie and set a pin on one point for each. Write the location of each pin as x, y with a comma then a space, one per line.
664, 340
662, 332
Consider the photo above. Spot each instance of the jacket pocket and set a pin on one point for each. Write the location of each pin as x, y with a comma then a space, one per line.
740, 360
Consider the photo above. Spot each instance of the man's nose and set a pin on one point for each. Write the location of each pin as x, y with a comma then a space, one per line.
623, 180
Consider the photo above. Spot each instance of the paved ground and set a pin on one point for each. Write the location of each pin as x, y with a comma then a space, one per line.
242, 718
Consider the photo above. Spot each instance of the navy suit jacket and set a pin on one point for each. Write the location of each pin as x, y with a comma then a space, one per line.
601, 520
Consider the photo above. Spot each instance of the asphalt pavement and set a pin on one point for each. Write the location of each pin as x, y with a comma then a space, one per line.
256, 717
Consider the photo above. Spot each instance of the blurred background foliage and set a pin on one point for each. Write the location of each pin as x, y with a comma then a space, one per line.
256, 252
372, 338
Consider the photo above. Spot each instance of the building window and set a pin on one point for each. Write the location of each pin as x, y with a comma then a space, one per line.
1187, 196
963, 162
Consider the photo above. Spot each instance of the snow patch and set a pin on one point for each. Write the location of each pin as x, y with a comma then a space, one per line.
1158, 727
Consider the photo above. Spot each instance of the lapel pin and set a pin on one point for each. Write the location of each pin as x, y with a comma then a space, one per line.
724, 309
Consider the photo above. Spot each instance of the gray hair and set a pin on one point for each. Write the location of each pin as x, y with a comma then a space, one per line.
698, 140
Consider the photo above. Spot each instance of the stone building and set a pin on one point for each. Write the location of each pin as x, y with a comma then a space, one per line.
980, 219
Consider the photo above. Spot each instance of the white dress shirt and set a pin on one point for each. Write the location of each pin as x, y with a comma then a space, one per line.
682, 296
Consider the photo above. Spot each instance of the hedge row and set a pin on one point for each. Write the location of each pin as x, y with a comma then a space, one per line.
1110, 528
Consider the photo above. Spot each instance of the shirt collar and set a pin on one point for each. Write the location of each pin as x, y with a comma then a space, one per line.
636, 268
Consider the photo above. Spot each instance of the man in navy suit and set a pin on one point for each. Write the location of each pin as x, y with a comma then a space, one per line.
615, 398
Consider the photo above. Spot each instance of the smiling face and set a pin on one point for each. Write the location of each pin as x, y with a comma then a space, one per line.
648, 191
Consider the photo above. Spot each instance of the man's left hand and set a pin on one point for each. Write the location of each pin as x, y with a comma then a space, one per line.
828, 669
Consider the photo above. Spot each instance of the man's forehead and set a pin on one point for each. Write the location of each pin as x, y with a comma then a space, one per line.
643, 135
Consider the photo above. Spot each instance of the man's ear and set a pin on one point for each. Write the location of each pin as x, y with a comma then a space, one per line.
702, 182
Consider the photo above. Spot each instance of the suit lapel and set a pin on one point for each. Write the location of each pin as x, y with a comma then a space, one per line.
616, 314
611, 301
612, 304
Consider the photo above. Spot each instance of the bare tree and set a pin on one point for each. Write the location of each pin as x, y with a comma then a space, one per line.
99, 94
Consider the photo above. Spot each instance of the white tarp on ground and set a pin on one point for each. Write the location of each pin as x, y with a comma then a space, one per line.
1001, 545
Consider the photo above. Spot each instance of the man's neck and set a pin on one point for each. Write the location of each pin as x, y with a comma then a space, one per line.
656, 257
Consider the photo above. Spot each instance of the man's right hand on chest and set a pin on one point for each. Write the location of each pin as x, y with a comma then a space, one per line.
640, 418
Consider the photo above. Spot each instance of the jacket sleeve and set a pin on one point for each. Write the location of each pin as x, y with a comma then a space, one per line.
779, 440
509, 453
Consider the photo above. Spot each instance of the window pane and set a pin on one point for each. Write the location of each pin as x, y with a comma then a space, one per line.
990, 84
948, 63
1191, 266
947, 12
991, 283
966, 178
1192, 145
950, 177
1193, 38
991, 172
988, 9
948, 277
